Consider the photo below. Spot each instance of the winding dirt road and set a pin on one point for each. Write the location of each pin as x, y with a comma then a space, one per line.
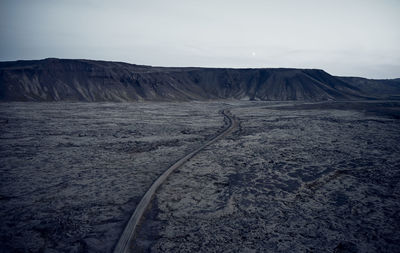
128, 234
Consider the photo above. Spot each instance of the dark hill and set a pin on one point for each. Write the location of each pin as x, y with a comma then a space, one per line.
384, 88
87, 80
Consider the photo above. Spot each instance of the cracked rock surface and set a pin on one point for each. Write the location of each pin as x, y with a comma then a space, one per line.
73, 173
294, 177
291, 179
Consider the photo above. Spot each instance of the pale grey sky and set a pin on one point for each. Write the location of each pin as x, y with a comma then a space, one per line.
343, 37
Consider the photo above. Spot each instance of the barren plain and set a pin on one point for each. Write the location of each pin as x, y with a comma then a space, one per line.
293, 177
73, 173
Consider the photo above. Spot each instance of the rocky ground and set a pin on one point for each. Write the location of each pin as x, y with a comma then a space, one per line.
293, 178
73, 173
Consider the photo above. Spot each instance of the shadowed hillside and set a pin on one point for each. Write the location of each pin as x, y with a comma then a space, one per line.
87, 80
389, 88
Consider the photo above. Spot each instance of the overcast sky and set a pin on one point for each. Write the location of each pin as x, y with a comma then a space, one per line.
343, 37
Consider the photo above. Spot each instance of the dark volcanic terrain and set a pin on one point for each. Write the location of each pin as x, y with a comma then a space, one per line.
292, 177
87, 80
306, 175
71, 174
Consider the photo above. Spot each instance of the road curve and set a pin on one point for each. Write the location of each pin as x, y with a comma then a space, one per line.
129, 232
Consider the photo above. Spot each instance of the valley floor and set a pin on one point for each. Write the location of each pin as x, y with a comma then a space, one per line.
293, 177
73, 173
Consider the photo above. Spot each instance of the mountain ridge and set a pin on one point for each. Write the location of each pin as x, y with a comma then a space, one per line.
55, 79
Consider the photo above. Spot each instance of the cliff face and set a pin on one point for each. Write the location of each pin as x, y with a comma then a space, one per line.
86, 80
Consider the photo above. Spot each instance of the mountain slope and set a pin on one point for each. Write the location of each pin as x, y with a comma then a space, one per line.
389, 88
87, 80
